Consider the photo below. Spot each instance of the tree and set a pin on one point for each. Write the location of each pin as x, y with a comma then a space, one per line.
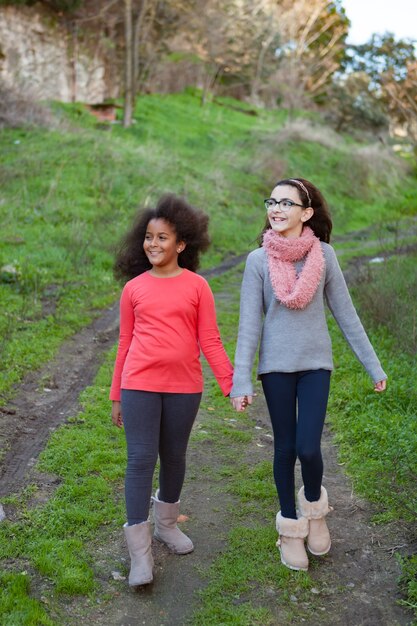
128, 92
59, 6
381, 54
121, 29
391, 68
401, 98
353, 106
313, 42
221, 38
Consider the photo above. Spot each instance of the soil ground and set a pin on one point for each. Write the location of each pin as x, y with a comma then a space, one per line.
359, 576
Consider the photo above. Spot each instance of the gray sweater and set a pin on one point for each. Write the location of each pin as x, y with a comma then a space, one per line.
295, 340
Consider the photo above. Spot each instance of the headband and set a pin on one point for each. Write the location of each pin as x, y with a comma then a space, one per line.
303, 187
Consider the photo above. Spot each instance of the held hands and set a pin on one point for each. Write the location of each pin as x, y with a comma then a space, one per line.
116, 414
380, 385
241, 402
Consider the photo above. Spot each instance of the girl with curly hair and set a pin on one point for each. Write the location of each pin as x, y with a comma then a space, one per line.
286, 283
167, 314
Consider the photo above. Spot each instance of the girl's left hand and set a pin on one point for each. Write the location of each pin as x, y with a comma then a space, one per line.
380, 385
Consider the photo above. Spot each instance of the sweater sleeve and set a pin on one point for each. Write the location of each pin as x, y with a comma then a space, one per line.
127, 320
343, 310
250, 326
210, 341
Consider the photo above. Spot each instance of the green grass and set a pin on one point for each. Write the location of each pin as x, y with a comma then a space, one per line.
66, 197
17, 606
249, 569
86, 455
408, 582
387, 296
377, 433
57, 541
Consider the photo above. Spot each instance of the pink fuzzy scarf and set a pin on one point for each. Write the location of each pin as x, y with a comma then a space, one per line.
295, 292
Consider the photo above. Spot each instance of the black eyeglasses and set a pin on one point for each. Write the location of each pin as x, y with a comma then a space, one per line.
283, 205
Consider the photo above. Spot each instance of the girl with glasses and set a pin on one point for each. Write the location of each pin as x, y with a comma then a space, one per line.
286, 283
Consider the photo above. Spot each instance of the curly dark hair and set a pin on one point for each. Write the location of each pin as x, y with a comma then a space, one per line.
321, 222
190, 225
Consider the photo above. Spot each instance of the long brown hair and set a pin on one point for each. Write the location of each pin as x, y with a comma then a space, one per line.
321, 222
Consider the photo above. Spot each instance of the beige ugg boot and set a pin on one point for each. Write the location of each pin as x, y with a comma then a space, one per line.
318, 541
292, 533
139, 538
166, 530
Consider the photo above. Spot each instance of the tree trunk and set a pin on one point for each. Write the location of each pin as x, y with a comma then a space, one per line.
259, 67
128, 101
138, 32
73, 54
210, 81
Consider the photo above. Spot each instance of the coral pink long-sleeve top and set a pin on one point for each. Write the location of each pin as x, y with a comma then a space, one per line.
163, 324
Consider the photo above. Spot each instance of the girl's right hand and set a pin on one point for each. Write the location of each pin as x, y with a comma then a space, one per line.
116, 414
380, 385
241, 402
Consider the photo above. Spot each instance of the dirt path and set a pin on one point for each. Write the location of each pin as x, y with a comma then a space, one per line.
358, 578
48, 397
171, 599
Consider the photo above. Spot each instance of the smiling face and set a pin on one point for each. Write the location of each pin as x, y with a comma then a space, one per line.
162, 248
288, 223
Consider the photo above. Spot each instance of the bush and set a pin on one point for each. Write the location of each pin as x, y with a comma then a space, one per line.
353, 107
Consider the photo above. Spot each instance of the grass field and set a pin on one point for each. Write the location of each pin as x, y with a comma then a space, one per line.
66, 197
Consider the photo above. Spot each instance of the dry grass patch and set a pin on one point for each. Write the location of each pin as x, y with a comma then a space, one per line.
17, 110
304, 130
380, 165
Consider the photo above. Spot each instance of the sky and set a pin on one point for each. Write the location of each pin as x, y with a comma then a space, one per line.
379, 16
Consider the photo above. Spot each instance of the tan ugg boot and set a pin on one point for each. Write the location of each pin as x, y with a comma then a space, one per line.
318, 541
139, 539
166, 530
292, 533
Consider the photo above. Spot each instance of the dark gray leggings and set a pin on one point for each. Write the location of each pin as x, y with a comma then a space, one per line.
155, 423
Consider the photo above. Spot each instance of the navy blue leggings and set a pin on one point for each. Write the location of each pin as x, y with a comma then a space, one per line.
297, 405
155, 423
